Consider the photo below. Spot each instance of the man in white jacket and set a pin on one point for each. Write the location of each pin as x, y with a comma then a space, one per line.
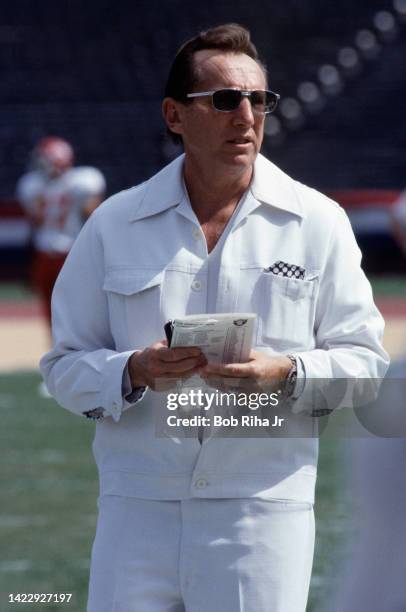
208, 523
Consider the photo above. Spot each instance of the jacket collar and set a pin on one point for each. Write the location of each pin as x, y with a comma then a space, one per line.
272, 186
162, 191
269, 186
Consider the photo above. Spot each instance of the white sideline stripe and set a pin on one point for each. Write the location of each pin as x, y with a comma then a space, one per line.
373, 220
19, 565
23, 521
52, 456
23, 565
14, 232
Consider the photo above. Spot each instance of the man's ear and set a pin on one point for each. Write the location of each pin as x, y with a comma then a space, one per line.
172, 116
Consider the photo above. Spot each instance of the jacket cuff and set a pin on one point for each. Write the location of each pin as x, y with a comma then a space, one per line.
131, 396
321, 393
113, 372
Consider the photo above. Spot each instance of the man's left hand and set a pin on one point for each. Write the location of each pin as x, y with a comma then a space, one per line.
264, 372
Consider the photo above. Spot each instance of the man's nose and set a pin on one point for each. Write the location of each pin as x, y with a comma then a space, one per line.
244, 113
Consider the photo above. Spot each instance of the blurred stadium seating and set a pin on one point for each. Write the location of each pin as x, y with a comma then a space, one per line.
94, 74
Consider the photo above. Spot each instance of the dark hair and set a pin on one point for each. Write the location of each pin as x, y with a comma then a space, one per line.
230, 38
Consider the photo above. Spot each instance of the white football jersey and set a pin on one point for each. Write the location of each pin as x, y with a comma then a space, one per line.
64, 199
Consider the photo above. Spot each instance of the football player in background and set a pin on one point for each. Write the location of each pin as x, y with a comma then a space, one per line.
57, 198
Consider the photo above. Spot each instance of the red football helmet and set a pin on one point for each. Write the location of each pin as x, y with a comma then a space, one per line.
53, 155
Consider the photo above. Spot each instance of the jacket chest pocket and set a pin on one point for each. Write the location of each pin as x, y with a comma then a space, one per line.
134, 298
286, 312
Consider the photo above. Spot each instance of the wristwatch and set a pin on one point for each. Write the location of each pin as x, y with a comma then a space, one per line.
290, 381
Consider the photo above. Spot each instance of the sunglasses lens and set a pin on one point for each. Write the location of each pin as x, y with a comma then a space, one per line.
258, 101
226, 99
271, 101
264, 101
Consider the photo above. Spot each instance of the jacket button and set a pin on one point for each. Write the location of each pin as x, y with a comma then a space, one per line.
196, 285
201, 483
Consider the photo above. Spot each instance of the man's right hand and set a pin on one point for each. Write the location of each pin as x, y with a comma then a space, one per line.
155, 363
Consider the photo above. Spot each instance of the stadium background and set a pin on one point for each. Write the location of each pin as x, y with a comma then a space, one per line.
94, 73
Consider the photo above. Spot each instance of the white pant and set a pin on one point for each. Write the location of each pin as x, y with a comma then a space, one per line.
201, 555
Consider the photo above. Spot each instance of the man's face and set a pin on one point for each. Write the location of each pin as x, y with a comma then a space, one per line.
230, 139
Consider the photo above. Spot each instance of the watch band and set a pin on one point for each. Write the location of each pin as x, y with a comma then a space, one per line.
320, 412
290, 382
95, 414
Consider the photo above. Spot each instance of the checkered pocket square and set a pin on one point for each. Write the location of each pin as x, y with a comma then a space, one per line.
281, 268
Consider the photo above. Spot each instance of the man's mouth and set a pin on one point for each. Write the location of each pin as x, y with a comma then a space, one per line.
240, 141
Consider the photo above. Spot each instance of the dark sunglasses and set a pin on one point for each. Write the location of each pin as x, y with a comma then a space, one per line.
227, 100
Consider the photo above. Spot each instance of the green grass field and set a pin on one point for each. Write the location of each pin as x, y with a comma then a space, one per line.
49, 492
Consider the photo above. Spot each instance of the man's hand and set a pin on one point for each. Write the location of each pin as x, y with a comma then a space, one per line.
158, 362
261, 372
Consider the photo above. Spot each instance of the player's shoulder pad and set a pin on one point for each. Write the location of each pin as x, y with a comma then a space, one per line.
29, 185
86, 179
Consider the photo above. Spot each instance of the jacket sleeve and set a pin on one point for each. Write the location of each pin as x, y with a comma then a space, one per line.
349, 327
83, 371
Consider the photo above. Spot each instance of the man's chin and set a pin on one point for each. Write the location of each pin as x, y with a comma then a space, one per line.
240, 160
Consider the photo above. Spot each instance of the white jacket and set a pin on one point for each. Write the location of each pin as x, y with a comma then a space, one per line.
135, 265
